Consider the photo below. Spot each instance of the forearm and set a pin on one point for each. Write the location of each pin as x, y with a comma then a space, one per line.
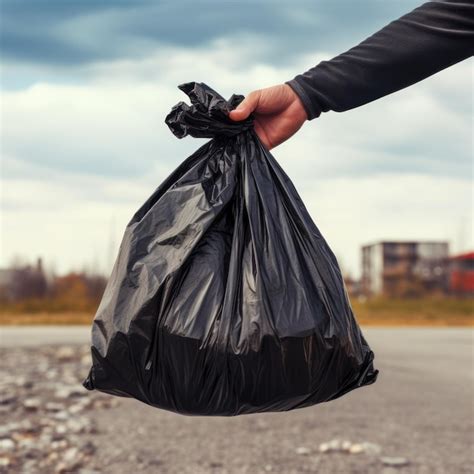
419, 44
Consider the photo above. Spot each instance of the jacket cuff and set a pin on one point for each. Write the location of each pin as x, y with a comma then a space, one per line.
311, 109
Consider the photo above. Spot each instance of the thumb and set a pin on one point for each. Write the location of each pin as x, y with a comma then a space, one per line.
246, 107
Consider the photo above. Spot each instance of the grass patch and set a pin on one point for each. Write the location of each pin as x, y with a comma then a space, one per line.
415, 312
373, 312
32, 319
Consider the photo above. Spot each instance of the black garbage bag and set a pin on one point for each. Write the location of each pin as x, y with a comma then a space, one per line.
225, 299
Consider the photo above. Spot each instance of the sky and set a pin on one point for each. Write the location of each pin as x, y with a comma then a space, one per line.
86, 85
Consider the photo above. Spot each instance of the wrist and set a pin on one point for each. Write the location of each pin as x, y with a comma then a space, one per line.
302, 99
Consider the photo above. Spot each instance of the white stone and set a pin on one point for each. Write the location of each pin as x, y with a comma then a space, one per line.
65, 353
324, 447
71, 454
302, 450
371, 448
32, 403
26, 443
346, 445
396, 461
61, 429
60, 444
76, 408
7, 444
356, 448
61, 415
335, 445
52, 406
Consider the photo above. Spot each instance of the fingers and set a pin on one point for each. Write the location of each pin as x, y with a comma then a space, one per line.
246, 107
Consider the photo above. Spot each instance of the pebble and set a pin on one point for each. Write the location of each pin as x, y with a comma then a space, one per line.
68, 392
23, 382
88, 448
52, 406
74, 409
65, 353
61, 429
394, 461
335, 445
346, 445
106, 402
71, 454
371, 448
61, 415
63, 467
72, 460
59, 444
26, 426
302, 450
32, 404
7, 444
79, 425
45, 439
8, 399
27, 443
29, 465
324, 447
52, 374
52, 457
356, 448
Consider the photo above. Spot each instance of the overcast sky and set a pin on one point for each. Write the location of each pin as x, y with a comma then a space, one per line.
86, 86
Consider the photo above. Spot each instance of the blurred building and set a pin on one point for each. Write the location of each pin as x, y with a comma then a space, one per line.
405, 268
461, 274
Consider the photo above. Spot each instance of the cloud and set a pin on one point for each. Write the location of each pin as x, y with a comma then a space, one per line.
62, 33
112, 124
109, 130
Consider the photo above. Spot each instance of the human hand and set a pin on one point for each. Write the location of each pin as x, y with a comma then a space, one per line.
278, 113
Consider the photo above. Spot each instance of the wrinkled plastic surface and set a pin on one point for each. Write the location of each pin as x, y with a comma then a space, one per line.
225, 299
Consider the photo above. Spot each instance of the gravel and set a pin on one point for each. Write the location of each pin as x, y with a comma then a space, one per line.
47, 417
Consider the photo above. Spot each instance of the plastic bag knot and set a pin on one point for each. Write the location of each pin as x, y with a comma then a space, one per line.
207, 116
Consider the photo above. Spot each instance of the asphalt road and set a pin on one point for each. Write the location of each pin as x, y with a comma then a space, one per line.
420, 408
30, 336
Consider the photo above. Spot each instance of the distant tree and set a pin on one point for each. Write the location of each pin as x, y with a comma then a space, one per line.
26, 282
96, 286
78, 290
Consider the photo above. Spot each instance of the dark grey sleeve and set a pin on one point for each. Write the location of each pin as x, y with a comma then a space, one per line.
417, 45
